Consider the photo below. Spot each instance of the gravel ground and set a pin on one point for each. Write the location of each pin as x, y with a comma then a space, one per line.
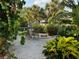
31, 50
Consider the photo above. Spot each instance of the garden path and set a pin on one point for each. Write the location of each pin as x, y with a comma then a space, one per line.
31, 50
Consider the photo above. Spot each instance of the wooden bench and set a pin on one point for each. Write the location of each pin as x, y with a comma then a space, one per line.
43, 35
39, 35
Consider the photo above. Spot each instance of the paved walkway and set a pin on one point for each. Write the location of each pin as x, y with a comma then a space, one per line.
31, 50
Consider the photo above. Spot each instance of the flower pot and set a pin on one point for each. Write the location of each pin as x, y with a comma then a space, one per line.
1, 56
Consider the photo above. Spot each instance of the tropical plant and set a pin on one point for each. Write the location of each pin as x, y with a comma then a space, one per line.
68, 30
38, 28
54, 11
52, 29
34, 13
75, 7
62, 30
62, 48
57, 15
9, 23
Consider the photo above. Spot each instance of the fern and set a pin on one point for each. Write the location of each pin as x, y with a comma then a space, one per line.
62, 48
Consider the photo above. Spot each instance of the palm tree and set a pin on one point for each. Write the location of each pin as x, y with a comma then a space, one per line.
32, 14
75, 7
54, 11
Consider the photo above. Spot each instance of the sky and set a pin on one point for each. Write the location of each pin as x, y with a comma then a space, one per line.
40, 3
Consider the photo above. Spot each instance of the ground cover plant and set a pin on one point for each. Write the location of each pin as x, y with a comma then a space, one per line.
62, 48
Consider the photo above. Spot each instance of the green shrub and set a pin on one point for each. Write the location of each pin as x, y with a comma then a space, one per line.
62, 48
70, 30
22, 40
66, 21
52, 29
75, 31
38, 28
62, 30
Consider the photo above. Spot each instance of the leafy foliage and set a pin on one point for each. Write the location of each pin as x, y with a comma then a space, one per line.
22, 40
54, 11
70, 30
62, 48
33, 13
38, 28
52, 29
75, 7
9, 23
